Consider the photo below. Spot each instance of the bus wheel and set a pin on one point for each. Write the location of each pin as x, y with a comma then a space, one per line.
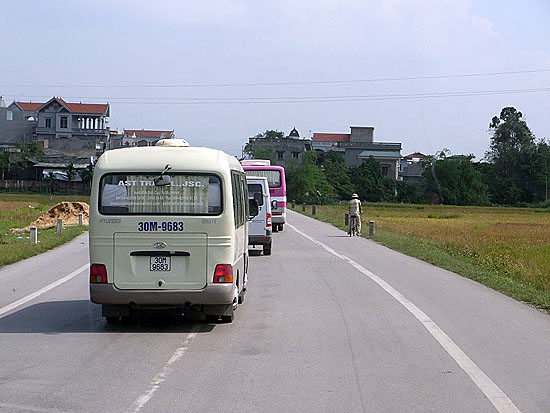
267, 249
113, 319
281, 227
241, 299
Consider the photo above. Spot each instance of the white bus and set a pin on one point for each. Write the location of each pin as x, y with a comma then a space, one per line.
168, 229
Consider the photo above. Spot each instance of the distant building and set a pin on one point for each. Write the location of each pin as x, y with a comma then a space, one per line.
140, 137
284, 149
410, 167
358, 146
16, 124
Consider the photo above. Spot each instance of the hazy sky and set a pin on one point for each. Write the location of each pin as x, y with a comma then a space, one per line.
318, 65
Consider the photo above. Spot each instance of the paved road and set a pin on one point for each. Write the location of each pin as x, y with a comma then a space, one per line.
330, 324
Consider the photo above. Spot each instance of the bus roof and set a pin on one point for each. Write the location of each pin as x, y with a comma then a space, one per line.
256, 162
155, 158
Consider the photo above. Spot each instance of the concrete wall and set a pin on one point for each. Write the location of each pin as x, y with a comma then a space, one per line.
78, 146
363, 134
14, 130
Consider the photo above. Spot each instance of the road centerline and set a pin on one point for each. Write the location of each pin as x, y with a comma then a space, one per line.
43, 290
163, 374
495, 395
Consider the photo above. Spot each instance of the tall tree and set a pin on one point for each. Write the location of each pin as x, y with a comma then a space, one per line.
513, 153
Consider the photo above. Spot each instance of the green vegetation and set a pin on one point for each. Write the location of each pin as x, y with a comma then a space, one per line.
504, 248
18, 211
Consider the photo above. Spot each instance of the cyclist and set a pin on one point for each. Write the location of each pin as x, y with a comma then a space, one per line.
355, 210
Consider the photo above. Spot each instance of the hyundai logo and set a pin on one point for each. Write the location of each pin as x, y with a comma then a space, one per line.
159, 245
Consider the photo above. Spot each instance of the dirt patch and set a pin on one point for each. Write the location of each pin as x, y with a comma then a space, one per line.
67, 211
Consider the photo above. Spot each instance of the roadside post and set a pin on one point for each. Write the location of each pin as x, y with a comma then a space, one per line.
80, 219
59, 226
293, 203
346, 220
34, 236
304, 207
371, 228
313, 209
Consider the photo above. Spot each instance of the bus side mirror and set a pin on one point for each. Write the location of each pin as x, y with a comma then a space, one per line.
252, 208
274, 204
162, 180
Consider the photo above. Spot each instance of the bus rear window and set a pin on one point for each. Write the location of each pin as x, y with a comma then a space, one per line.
136, 194
273, 176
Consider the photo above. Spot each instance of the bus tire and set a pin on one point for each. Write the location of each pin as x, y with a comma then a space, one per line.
267, 249
281, 227
113, 319
241, 299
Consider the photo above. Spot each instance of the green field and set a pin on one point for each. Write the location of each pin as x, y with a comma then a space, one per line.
507, 249
18, 211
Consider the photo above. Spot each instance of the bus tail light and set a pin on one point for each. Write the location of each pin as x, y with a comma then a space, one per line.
98, 274
223, 273
268, 220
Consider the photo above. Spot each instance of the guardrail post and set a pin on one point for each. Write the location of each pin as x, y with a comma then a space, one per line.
304, 207
80, 219
34, 235
313, 209
293, 203
59, 226
346, 220
371, 228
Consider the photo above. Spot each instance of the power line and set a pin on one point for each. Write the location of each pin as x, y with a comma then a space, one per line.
320, 82
293, 99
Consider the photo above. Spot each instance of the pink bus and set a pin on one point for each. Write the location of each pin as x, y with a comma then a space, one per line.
277, 187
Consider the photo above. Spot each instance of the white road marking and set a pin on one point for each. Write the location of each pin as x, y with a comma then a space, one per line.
495, 395
38, 293
161, 376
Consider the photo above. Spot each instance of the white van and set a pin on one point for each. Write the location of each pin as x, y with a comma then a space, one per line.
260, 226
168, 229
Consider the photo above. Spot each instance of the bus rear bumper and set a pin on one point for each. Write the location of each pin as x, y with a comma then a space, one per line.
212, 294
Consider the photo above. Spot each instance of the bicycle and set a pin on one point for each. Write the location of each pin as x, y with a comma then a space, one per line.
353, 228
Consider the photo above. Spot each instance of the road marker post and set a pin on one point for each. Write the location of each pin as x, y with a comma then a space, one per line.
80, 219
371, 228
313, 209
33, 235
59, 226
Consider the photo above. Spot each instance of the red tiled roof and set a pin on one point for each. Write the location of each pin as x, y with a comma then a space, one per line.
331, 137
145, 132
97, 108
29, 106
415, 155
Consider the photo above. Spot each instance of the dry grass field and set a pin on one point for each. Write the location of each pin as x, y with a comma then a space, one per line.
19, 210
505, 248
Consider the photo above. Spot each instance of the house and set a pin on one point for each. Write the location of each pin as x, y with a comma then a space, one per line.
74, 129
286, 148
358, 146
140, 137
411, 168
16, 123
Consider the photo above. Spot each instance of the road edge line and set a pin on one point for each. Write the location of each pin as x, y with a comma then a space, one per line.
496, 396
43, 290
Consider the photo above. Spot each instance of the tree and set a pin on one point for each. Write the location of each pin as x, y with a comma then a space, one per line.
336, 173
369, 183
4, 162
70, 170
306, 182
87, 174
455, 180
27, 150
513, 152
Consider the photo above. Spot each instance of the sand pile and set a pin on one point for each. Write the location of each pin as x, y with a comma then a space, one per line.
67, 211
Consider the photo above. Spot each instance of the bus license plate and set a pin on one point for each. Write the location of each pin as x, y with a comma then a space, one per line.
160, 263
